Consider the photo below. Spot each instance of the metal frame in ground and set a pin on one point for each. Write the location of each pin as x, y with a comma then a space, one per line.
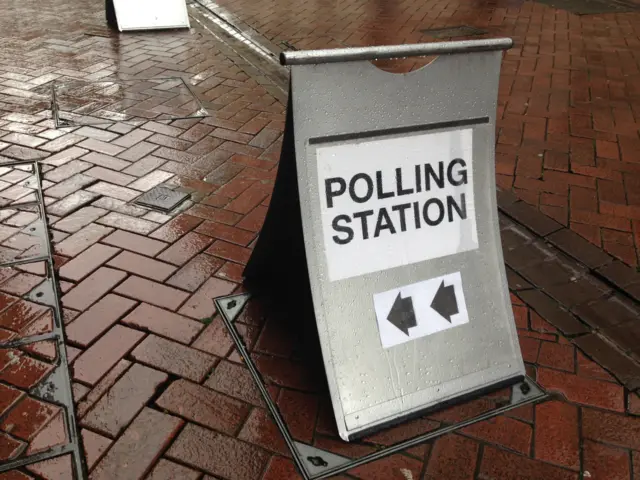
97, 112
314, 463
55, 388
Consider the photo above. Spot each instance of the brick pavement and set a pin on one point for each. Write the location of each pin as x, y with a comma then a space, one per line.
549, 440
159, 391
569, 104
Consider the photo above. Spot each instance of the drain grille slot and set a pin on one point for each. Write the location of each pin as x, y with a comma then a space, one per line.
458, 31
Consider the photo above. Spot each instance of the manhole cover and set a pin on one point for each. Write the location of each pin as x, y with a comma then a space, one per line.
162, 198
459, 31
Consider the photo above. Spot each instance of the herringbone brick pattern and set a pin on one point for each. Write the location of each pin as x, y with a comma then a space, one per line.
131, 278
160, 392
81, 102
569, 115
566, 438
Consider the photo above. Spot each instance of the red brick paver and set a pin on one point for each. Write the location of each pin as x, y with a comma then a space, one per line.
569, 118
160, 390
131, 458
123, 401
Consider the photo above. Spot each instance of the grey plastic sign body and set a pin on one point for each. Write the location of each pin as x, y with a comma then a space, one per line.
397, 195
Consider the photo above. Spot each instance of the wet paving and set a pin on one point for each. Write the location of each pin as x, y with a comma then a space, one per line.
160, 388
568, 117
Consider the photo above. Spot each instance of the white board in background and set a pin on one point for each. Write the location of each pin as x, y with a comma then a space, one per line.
151, 14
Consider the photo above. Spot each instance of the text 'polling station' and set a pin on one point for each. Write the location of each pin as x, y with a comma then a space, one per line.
422, 211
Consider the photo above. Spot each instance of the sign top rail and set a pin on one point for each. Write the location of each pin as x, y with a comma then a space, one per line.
310, 57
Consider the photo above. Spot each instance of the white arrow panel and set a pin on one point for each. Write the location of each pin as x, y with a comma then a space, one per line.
428, 320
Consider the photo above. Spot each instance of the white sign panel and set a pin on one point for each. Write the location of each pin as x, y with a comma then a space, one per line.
420, 309
151, 14
391, 202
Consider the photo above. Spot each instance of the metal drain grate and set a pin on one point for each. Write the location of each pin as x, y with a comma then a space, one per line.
448, 32
162, 198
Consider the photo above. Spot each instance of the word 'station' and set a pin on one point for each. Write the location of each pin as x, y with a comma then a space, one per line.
391, 202
420, 309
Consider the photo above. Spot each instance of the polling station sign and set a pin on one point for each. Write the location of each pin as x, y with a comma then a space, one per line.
390, 202
384, 216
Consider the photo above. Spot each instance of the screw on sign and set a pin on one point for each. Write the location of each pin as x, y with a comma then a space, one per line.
317, 461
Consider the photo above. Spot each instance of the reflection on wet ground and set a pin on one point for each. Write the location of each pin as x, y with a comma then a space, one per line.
78, 102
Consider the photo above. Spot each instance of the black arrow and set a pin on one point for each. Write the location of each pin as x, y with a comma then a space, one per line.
402, 315
444, 302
